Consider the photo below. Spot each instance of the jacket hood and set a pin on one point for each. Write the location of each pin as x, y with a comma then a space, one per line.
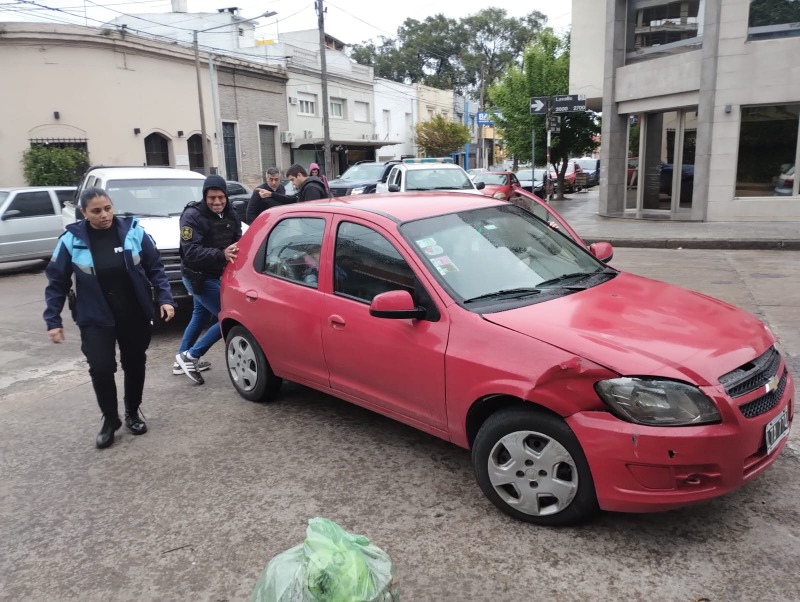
312, 167
641, 327
313, 179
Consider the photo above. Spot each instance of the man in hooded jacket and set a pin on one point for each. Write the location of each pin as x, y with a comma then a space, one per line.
309, 188
210, 231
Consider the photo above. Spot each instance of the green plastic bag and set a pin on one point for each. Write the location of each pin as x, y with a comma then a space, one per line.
332, 565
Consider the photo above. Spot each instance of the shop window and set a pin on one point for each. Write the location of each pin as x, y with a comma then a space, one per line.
768, 151
773, 19
658, 27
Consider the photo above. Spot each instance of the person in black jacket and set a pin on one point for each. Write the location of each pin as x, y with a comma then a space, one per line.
309, 188
269, 194
118, 272
210, 230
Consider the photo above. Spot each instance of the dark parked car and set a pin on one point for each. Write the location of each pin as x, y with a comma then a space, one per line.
591, 167
361, 178
687, 181
239, 196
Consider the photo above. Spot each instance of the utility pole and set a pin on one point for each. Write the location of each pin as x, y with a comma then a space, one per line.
479, 159
326, 129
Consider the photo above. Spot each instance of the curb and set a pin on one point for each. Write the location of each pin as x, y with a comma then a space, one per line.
697, 243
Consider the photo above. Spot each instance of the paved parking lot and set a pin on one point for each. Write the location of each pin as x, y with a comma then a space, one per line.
196, 508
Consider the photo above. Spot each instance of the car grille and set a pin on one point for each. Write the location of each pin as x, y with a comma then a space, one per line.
766, 402
752, 375
171, 259
340, 191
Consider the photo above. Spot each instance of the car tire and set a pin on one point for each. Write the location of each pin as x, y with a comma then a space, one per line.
248, 368
530, 464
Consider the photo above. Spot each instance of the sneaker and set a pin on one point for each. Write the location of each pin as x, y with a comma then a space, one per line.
189, 366
202, 366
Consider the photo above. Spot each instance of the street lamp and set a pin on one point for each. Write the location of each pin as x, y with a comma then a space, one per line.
206, 148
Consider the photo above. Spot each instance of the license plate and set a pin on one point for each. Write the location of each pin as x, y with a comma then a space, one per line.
776, 430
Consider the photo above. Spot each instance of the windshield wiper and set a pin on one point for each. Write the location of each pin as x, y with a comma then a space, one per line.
560, 279
137, 214
507, 292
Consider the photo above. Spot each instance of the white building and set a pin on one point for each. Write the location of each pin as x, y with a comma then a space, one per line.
700, 102
395, 111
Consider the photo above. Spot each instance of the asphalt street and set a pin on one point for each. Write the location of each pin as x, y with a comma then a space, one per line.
195, 509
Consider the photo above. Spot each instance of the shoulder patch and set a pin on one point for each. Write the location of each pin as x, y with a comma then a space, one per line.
186, 233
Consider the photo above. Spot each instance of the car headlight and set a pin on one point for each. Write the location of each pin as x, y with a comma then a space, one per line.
657, 402
499, 195
358, 190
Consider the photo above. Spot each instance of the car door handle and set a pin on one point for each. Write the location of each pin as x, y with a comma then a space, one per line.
335, 321
251, 296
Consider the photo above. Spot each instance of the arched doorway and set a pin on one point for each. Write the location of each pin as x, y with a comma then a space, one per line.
196, 160
156, 149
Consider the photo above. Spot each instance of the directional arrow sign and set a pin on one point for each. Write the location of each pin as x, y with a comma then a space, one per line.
539, 105
569, 104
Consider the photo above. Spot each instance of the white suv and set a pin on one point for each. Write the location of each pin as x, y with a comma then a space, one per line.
157, 195
428, 174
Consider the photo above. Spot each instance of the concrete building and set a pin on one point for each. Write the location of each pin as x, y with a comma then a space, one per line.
396, 115
700, 102
129, 100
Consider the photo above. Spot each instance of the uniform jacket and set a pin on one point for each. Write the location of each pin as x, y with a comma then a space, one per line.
257, 205
312, 189
73, 255
205, 235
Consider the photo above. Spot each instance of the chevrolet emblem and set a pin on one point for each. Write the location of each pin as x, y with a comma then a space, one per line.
771, 385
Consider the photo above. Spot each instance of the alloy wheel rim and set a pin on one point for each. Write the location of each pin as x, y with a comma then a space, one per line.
242, 363
533, 473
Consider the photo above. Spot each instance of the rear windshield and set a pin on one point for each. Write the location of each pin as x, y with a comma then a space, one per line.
153, 197
363, 172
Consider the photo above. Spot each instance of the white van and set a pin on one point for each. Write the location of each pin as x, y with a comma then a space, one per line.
157, 195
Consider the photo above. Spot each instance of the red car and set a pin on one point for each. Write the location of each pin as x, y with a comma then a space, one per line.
575, 386
569, 176
498, 184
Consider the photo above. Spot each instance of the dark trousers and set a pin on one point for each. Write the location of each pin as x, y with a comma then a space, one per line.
98, 344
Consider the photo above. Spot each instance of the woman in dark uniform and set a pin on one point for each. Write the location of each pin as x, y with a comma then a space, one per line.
118, 272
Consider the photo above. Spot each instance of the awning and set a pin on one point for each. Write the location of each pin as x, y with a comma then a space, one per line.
346, 142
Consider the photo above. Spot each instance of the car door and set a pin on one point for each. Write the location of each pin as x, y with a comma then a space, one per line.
29, 225
285, 299
394, 364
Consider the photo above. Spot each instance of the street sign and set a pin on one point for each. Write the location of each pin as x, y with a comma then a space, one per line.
569, 104
554, 124
483, 118
539, 105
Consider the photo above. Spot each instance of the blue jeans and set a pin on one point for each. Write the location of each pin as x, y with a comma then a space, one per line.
206, 306
201, 319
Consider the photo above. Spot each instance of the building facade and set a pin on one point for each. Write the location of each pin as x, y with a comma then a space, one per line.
396, 115
700, 102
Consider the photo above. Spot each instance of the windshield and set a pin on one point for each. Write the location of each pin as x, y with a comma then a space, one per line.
437, 179
3, 197
153, 197
590, 164
363, 172
539, 174
484, 251
495, 179
525, 174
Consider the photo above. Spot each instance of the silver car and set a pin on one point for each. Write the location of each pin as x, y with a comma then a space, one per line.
30, 221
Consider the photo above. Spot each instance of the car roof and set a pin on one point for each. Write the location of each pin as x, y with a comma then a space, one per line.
148, 172
397, 206
415, 166
34, 188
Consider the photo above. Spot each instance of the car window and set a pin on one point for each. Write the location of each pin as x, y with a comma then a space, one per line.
439, 179
234, 188
293, 250
366, 264
514, 180
65, 196
495, 179
366, 171
32, 204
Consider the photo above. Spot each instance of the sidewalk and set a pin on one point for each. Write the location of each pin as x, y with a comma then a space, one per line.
580, 210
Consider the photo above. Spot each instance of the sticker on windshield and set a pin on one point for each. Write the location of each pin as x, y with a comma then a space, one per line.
426, 242
433, 250
444, 265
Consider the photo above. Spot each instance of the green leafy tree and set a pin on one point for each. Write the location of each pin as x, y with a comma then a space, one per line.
774, 12
54, 166
439, 137
545, 72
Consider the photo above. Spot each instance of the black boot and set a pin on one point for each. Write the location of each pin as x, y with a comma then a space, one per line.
134, 423
106, 435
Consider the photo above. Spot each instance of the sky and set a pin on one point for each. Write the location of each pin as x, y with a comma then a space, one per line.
351, 21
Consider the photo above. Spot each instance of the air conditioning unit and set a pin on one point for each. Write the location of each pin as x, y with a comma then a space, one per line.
293, 100
308, 134
287, 137
374, 136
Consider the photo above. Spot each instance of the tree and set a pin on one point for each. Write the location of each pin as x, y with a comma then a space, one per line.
54, 166
439, 137
545, 72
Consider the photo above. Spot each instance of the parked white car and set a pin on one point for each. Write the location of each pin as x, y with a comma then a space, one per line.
428, 174
30, 221
157, 195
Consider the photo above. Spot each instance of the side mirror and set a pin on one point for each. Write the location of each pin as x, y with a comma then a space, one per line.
396, 305
602, 250
11, 214
394, 188
480, 185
